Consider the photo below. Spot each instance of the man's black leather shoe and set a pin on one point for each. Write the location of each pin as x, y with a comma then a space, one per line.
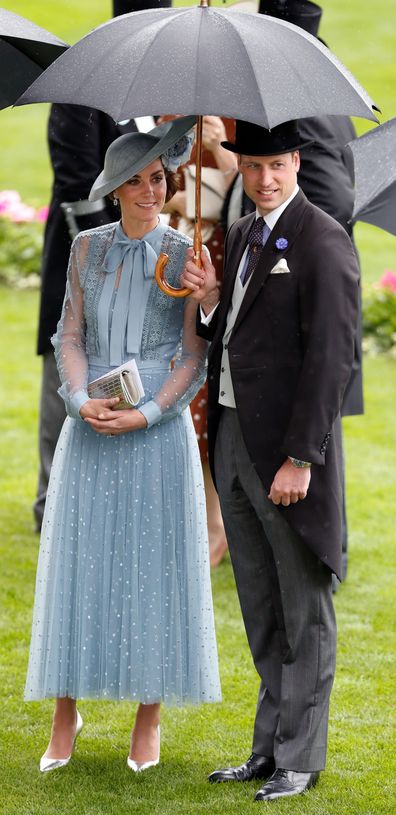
284, 783
255, 767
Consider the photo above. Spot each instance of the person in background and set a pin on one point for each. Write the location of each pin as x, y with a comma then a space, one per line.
78, 138
326, 177
218, 171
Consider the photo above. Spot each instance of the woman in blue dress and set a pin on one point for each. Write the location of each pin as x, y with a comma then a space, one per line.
123, 606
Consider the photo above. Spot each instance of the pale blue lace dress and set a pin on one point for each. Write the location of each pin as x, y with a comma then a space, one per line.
123, 606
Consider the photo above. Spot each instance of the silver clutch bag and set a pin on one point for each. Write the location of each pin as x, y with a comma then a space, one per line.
123, 382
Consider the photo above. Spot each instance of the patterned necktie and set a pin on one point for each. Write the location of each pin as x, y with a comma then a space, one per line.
257, 237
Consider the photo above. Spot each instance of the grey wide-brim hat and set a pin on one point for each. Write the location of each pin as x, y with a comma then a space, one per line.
131, 152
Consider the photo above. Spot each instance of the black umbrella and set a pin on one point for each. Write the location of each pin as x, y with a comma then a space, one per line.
374, 156
25, 50
202, 60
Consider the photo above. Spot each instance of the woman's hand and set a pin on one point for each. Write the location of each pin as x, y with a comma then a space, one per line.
116, 422
93, 408
104, 419
201, 282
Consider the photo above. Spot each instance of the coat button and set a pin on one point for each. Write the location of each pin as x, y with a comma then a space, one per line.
225, 347
222, 370
222, 393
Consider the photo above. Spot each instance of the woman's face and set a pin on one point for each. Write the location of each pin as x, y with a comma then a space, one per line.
142, 197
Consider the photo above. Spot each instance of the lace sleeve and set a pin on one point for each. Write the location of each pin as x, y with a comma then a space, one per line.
186, 378
69, 340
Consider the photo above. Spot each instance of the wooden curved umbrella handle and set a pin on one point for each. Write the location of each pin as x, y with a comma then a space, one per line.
159, 274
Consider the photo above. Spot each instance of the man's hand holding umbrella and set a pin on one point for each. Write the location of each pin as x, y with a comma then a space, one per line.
202, 282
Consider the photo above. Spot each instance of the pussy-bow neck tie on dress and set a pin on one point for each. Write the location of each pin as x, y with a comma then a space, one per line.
138, 260
257, 237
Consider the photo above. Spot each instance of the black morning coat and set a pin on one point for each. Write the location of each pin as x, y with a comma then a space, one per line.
291, 353
78, 138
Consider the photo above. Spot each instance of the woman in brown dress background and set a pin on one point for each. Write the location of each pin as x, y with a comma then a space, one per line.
219, 168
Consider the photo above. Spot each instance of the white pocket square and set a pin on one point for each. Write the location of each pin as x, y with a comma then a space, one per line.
280, 267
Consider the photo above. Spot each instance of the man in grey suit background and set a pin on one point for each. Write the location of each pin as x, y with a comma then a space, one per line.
282, 349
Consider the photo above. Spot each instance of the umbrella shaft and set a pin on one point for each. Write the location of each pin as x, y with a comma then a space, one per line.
198, 169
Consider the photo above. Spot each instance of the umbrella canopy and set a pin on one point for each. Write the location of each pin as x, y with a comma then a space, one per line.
25, 50
202, 60
374, 156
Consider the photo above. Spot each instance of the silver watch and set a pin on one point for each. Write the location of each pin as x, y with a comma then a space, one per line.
298, 463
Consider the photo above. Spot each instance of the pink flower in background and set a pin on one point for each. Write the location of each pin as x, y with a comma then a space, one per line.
12, 207
20, 213
42, 214
8, 199
388, 280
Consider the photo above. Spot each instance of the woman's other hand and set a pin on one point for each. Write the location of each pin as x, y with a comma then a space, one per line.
115, 422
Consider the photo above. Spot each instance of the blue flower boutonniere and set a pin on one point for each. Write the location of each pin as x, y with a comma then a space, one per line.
281, 243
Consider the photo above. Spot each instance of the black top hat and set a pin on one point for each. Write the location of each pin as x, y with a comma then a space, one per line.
253, 140
299, 12
126, 6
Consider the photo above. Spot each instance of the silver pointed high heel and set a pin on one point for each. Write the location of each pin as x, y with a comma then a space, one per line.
48, 764
139, 767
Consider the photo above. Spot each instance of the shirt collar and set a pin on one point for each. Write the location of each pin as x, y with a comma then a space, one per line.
274, 216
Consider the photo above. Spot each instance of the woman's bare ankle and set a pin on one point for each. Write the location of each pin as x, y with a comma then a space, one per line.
145, 735
63, 730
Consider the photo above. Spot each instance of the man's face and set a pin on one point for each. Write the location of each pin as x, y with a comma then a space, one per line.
269, 180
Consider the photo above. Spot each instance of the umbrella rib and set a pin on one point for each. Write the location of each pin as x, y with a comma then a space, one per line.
303, 80
333, 61
240, 38
164, 24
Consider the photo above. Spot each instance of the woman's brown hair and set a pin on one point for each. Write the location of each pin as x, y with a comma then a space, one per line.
172, 184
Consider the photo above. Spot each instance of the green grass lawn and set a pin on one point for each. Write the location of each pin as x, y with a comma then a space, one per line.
195, 741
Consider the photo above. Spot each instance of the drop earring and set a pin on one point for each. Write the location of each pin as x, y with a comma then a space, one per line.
115, 201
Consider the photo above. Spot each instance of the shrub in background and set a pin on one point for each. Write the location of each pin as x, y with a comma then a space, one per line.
21, 241
379, 316
21, 246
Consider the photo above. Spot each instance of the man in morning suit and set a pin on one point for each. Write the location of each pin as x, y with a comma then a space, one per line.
282, 348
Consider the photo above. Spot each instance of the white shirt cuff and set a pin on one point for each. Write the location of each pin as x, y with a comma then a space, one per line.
206, 318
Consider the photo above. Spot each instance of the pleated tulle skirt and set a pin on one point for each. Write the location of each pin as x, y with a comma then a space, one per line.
123, 606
